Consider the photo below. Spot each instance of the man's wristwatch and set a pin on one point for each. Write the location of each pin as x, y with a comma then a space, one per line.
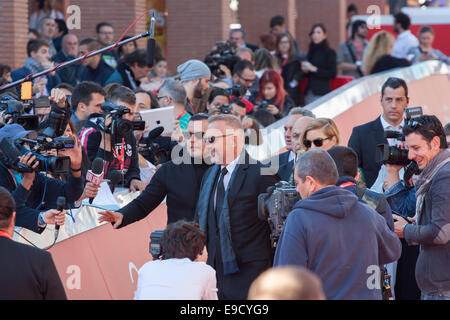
75, 170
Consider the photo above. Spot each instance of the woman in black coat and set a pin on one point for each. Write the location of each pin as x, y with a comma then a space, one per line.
320, 67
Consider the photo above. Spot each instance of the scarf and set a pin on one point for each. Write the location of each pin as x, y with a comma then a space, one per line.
34, 66
423, 183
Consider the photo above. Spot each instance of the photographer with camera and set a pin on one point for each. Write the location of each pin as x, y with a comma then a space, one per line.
333, 234
110, 137
87, 98
272, 95
427, 146
218, 102
181, 272
32, 190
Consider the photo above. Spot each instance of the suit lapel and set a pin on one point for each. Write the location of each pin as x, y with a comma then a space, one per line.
379, 132
237, 178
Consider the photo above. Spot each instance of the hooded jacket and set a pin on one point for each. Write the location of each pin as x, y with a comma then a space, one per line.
342, 240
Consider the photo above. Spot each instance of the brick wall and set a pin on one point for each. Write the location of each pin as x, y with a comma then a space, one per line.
193, 28
13, 32
255, 15
120, 14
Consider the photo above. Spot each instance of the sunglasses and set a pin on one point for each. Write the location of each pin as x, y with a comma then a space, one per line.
197, 135
212, 139
317, 142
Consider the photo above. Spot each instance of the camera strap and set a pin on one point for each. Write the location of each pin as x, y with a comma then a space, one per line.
120, 157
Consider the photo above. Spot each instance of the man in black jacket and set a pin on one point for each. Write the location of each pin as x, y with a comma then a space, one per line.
26, 273
238, 242
365, 138
179, 182
119, 155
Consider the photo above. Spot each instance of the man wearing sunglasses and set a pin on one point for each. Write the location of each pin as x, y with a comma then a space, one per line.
178, 180
238, 242
430, 227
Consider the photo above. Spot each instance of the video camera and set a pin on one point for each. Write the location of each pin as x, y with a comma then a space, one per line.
262, 104
275, 205
224, 54
386, 154
151, 150
15, 110
155, 244
119, 128
11, 151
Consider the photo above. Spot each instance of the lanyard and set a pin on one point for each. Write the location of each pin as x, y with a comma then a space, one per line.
347, 184
121, 157
181, 114
4, 234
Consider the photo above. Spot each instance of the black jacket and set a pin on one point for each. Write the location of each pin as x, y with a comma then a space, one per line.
99, 75
27, 201
292, 70
363, 141
388, 62
70, 74
180, 183
250, 236
91, 136
28, 273
324, 58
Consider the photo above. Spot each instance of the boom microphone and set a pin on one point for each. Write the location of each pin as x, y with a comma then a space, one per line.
96, 174
150, 52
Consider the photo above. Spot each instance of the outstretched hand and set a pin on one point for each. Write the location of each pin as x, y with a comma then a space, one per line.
110, 216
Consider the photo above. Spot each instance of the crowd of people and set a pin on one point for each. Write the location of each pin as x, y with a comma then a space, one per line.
355, 213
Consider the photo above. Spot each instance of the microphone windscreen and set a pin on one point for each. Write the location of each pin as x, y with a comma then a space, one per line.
61, 203
115, 177
155, 133
97, 166
150, 52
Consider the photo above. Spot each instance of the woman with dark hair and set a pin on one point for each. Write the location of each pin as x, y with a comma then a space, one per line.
320, 67
290, 66
126, 48
181, 273
217, 98
271, 91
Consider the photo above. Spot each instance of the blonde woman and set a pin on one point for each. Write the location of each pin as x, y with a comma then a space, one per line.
378, 56
321, 133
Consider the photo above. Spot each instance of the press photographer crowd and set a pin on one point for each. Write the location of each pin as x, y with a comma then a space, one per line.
366, 221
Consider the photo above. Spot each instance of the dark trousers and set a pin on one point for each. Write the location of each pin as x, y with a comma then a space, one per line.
405, 283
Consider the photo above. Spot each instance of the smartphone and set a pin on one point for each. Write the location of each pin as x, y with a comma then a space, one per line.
26, 90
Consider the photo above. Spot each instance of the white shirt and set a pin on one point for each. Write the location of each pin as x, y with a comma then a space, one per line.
388, 127
292, 156
176, 279
405, 41
226, 179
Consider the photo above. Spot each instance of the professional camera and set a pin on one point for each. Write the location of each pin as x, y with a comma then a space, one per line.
11, 151
275, 205
386, 154
151, 150
262, 104
235, 91
119, 128
155, 243
16, 111
225, 109
57, 121
224, 54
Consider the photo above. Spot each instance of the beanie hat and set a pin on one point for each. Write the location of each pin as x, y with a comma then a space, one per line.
193, 70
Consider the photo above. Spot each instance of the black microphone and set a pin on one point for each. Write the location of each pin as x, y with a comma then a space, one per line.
96, 174
155, 133
150, 52
60, 205
115, 177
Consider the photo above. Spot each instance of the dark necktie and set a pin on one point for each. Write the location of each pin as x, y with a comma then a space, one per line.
220, 195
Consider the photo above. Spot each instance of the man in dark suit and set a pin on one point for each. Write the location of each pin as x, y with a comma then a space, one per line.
238, 242
237, 37
178, 179
365, 138
285, 165
26, 273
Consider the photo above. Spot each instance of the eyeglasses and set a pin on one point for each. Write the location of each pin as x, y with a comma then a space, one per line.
162, 97
197, 135
212, 139
317, 142
247, 80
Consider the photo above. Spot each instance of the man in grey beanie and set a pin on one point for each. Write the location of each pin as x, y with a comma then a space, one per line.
195, 76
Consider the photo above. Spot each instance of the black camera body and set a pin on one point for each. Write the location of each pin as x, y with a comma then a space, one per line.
275, 205
386, 154
225, 109
236, 91
58, 120
119, 128
262, 104
223, 55
16, 110
155, 244
11, 151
